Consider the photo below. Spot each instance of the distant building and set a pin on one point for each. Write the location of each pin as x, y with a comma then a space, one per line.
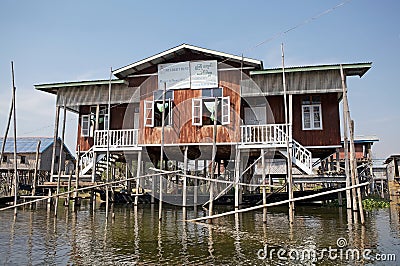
26, 156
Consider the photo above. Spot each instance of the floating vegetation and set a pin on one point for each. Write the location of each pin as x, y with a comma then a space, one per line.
375, 203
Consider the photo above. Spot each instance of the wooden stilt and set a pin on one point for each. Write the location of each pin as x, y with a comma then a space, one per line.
15, 141
196, 182
162, 153
185, 170
237, 177
60, 159
138, 172
264, 192
345, 138
35, 173
358, 189
77, 169
69, 189
213, 159
288, 118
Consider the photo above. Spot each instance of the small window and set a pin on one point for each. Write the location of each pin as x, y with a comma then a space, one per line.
5, 158
103, 118
312, 119
23, 160
212, 93
85, 125
148, 114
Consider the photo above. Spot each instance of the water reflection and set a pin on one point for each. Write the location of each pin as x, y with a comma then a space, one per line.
84, 236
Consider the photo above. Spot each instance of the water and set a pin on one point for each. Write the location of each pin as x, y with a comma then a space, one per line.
135, 236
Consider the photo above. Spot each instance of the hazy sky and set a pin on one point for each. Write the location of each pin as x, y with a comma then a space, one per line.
58, 41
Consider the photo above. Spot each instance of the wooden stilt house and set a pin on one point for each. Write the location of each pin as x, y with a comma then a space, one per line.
200, 92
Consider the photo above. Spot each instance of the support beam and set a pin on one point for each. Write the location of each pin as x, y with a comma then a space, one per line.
185, 169
138, 172
345, 138
35, 173
264, 193
60, 158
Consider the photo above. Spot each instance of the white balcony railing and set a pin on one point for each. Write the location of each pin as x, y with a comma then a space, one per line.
118, 138
271, 134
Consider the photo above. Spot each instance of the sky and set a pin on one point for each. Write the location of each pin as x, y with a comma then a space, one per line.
59, 41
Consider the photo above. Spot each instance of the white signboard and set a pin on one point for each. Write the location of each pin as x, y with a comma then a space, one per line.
184, 75
203, 74
174, 76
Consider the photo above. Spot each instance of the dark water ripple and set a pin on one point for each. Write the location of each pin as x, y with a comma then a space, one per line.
136, 237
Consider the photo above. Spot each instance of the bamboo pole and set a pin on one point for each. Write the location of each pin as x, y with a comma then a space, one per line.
345, 138
358, 189
69, 189
53, 155
288, 143
34, 182
108, 143
78, 153
60, 158
275, 203
15, 140
6, 133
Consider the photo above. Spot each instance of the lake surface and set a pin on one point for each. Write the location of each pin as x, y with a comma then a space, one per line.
135, 237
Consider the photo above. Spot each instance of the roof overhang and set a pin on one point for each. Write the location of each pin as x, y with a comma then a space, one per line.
354, 69
53, 87
162, 57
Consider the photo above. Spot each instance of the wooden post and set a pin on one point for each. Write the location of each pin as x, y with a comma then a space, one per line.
6, 134
185, 169
353, 166
138, 172
35, 173
345, 138
162, 152
60, 159
358, 189
15, 141
264, 193
108, 143
237, 177
288, 141
69, 189
195, 192
77, 175
337, 160
213, 155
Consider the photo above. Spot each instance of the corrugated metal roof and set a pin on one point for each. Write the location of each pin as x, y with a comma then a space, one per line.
53, 87
27, 144
350, 69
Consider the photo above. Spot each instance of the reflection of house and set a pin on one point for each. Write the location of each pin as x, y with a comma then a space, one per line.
245, 100
26, 156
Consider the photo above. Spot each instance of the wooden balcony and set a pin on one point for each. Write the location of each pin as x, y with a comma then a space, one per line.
121, 139
272, 135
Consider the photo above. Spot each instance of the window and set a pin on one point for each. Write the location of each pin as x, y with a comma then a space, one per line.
4, 158
103, 118
311, 113
205, 110
85, 125
154, 110
23, 160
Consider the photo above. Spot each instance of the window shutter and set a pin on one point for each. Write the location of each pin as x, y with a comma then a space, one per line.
197, 111
225, 114
148, 114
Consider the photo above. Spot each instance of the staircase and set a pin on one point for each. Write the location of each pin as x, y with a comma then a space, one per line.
86, 162
275, 136
301, 157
